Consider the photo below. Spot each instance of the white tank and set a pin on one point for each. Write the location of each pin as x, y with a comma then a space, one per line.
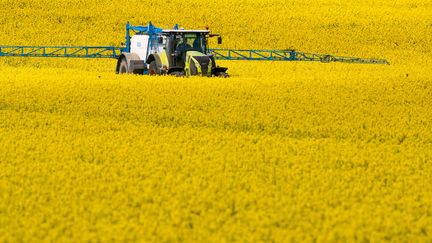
139, 46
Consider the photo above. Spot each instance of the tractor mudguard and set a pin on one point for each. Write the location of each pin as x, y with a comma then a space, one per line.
160, 58
161, 62
130, 63
154, 57
198, 63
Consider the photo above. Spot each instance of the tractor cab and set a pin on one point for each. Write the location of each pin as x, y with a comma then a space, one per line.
177, 43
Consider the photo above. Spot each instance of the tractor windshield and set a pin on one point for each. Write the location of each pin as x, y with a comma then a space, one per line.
190, 42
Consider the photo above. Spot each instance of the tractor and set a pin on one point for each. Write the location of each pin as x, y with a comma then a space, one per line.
176, 51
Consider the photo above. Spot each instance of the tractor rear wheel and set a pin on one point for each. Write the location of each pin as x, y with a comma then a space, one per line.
153, 70
123, 68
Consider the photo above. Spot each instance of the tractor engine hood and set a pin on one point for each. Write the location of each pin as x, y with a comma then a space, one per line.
198, 63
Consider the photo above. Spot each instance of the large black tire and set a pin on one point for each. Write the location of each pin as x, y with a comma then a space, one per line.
153, 69
123, 68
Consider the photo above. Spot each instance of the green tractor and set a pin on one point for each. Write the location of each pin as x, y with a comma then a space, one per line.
175, 51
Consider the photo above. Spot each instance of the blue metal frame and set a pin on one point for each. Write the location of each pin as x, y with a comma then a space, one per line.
152, 31
61, 51
287, 55
219, 54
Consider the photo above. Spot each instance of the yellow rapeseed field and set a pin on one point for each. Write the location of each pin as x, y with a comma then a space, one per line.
300, 152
